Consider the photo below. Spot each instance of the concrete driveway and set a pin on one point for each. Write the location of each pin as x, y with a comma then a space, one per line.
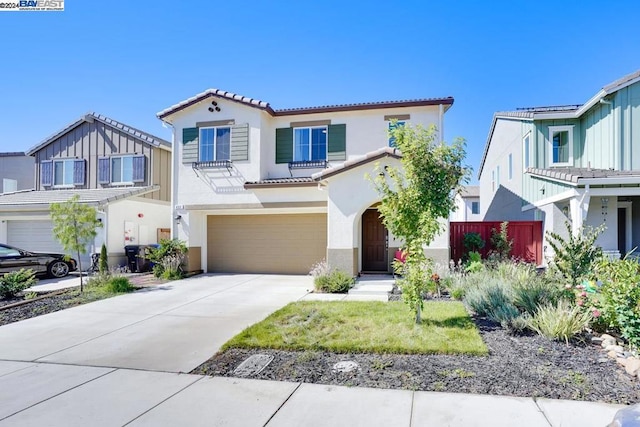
169, 328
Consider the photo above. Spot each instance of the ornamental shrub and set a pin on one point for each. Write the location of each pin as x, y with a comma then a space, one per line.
119, 285
103, 267
169, 259
15, 282
492, 298
501, 243
575, 256
472, 241
335, 281
620, 297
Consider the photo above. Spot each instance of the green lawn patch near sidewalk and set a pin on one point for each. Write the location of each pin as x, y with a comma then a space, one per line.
365, 327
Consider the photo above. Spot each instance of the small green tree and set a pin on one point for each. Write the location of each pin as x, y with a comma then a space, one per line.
74, 226
575, 256
415, 197
104, 260
472, 241
501, 243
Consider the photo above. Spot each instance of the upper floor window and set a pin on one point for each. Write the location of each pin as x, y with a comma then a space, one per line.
526, 151
561, 145
215, 144
122, 169
392, 127
475, 208
510, 166
9, 185
310, 143
493, 180
497, 177
63, 172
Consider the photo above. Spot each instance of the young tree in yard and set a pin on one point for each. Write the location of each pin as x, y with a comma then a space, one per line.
74, 226
416, 197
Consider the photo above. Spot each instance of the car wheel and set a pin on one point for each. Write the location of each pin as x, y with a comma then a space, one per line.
58, 269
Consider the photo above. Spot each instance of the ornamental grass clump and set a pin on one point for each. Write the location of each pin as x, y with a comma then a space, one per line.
561, 321
493, 300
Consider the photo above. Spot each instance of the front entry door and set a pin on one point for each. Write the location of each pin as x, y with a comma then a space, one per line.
374, 242
622, 231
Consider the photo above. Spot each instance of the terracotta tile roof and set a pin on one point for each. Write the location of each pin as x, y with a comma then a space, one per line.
256, 103
135, 133
29, 199
350, 164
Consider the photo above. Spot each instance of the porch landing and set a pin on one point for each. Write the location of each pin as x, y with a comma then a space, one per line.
373, 284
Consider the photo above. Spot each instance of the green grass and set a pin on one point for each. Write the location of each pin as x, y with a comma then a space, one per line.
365, 327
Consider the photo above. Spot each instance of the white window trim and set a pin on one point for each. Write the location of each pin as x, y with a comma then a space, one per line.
493, 180
569, 130
326, 132
119, 183
525, 153
215, 142
53, 178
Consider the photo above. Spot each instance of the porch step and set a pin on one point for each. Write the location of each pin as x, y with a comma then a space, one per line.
373, 285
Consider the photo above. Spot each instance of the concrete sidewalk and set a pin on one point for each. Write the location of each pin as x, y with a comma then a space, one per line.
63, 395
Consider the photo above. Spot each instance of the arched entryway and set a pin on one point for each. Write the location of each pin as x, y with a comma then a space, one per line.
375, 242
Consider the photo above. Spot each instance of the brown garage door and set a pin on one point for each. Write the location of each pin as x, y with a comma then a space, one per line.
285, 244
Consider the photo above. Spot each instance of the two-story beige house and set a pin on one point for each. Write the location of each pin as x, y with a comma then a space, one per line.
262, 190
122, 171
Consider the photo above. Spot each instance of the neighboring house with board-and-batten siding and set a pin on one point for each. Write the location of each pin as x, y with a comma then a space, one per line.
122, 171
577, 163
261, 190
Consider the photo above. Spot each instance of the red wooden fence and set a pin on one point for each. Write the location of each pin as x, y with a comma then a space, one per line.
526, 235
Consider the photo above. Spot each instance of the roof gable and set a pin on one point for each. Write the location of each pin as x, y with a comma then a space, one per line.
360, 161
144, 137
265, 106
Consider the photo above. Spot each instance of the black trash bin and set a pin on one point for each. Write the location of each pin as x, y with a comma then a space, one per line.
132, 253
136, 260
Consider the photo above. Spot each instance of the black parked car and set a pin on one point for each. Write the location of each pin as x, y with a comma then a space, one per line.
55, 265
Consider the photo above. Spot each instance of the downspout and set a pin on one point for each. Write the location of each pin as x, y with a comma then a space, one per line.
174, 187
441, 121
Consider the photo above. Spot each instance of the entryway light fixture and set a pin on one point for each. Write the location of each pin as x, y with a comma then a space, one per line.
605, 207
178, 218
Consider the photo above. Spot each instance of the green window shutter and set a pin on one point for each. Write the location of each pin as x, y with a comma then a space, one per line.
190, 142
240, 142
337, 144
284, 145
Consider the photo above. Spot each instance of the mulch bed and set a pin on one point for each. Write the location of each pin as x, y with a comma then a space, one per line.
526, 365
37, 308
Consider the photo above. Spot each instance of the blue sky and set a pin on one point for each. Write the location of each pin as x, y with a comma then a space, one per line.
129, 60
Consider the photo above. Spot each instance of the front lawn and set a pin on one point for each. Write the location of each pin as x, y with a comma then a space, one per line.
365, 327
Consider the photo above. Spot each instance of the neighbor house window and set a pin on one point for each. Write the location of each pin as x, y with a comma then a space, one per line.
215, 144
9, 185
510, 166
497, 176
392, 127
122, 169
561, 145
309, 143
526, 147
63, 172
493, 180
475, 208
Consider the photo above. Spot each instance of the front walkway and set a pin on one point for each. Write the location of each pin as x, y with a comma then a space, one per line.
122, 361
